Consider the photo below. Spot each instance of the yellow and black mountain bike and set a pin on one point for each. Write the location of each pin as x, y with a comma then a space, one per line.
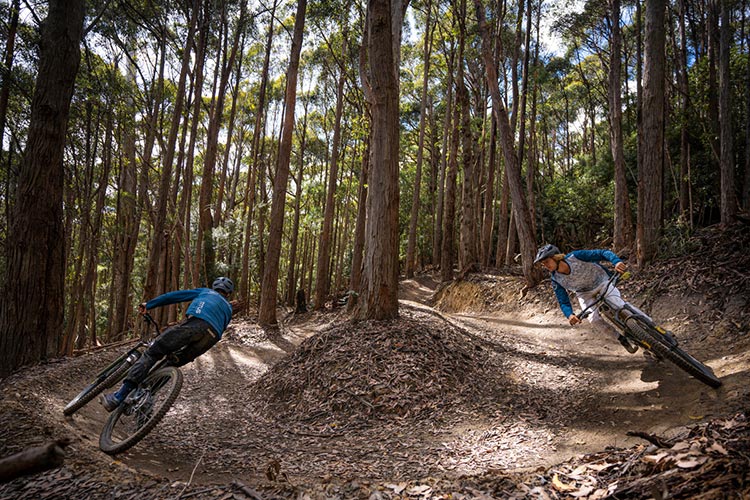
642, 332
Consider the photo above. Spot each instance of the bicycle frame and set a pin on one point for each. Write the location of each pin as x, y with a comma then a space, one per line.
134, 351
620, 316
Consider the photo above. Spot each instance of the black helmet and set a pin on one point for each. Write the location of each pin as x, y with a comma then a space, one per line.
223, 284
546, 251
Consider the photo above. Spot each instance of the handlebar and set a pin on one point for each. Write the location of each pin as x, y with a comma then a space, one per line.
149, 319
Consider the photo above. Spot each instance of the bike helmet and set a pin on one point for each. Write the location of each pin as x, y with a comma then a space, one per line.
223, 284
545, 252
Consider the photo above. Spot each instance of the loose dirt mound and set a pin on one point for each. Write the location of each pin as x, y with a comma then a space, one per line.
491, 293
409, 369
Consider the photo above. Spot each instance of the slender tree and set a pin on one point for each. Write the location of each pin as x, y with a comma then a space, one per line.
513, 169
726, 157
323, 275
270, 284
414, 213
623, 222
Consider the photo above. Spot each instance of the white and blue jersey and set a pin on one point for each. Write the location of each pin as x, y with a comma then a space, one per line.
206, 304
586, 275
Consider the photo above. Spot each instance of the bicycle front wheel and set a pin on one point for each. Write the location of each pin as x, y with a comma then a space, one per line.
142, 409
661, 346
96, 387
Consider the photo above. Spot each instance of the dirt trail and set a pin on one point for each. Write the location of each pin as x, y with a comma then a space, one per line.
615, 391
572, 393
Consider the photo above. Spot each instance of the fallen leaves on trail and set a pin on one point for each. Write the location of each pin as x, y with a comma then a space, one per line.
351, 375
709, 461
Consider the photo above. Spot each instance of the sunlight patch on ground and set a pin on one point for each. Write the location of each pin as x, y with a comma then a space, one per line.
631, 383
729, 365
242, 359
502, 445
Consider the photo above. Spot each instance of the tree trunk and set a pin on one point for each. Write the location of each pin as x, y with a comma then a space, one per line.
323, 276
255, 167
218, 209
622, 223
414, 214
437, 238
468, 256
355, 280
156, 275
31, 313
746, 183
520, 208
651, 168
10, 51
379, 298
684, 86
127, 222
291, 278
728, 193
270, 284
447, 253
488, 220
205, 228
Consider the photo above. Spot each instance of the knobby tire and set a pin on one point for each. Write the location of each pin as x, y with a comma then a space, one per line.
169, 379
661, 347
96, 387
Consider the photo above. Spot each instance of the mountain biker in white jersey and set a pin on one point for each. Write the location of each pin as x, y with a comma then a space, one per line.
579, 271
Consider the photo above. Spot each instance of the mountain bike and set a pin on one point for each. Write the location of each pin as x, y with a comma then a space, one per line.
143, 407
109, 376
642, 332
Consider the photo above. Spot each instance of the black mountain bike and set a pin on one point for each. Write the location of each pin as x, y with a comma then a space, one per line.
143, 407
641, 331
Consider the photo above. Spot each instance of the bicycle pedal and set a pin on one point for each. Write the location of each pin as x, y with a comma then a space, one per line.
631, 348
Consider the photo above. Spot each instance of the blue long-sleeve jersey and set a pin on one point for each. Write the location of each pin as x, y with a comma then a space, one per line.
585, 275
206, 304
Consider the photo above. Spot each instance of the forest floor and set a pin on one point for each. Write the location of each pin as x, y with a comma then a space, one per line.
474, 392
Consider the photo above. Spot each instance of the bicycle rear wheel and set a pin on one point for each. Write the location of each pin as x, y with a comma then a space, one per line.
662, 346
97, 386
142, 409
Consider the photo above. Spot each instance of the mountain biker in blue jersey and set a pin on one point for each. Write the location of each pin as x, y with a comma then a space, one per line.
208, 315
580, 271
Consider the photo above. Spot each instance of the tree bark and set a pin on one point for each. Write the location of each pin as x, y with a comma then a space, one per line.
468, 255
270, 284
31, 313
651, 168
379, 298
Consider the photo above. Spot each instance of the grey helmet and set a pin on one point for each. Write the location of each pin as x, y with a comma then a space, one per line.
547, 250
223, 284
